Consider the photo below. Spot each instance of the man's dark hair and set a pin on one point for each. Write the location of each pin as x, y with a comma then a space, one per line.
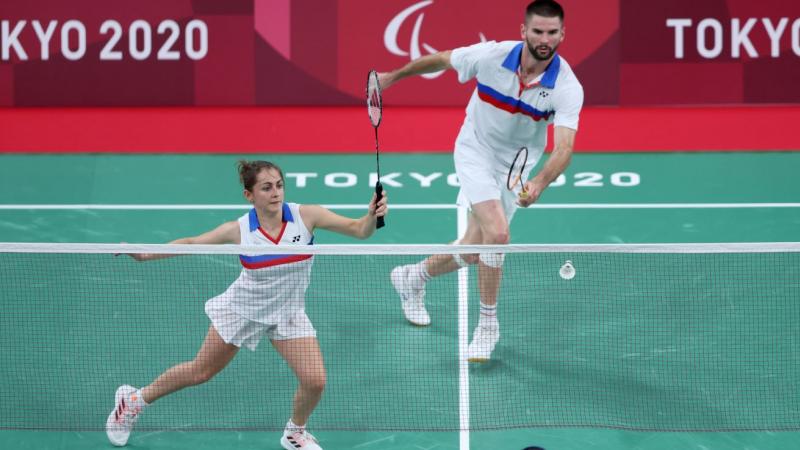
544, 8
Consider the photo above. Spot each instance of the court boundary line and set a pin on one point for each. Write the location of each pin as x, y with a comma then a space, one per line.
342, 206
397, 249
462, 216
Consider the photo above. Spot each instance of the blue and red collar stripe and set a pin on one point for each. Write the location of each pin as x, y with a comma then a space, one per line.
261, 261
510, 104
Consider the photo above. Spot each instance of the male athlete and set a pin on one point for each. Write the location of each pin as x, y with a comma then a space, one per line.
522, 88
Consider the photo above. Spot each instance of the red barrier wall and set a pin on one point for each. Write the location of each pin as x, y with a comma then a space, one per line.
311, 52
404, 129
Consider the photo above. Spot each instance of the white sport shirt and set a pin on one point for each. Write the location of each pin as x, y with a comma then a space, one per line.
502, 114
272, 285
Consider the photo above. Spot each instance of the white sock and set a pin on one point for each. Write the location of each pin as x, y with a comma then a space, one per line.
291, 427
488, 317
419, 275
138, 399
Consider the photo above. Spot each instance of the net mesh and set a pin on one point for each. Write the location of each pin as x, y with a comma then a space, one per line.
658, 338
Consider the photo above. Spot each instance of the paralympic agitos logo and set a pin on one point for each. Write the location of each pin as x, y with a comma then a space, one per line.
415, 47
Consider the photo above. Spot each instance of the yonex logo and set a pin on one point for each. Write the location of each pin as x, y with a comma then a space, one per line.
296, 239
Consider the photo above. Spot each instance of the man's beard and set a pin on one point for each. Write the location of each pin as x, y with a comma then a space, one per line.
538, 56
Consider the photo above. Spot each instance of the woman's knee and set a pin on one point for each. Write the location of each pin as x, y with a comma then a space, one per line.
314, 382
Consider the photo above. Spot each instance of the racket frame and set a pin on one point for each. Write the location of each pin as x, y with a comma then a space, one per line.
376, 94
518, 176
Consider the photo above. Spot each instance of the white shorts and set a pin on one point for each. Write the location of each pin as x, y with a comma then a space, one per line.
482, 178
241, 331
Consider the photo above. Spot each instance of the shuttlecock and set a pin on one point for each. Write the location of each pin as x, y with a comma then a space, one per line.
567, 271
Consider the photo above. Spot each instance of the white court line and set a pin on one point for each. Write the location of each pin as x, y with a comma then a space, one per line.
144, 207
661, 205
463, 340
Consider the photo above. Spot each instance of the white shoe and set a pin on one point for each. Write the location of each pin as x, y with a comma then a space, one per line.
482, 345
299, 440
124, 416
413, 300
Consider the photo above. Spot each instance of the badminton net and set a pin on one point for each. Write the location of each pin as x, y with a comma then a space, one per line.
644, 337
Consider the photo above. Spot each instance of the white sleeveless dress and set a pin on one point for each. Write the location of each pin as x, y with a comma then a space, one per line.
269, 295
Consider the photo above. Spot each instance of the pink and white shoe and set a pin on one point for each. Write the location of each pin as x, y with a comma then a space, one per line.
299, 440
127, 407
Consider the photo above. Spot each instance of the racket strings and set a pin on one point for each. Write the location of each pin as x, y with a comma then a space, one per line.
374, 102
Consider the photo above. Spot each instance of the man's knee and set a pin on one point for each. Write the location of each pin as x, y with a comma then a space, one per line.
496, 236
495, 233
494, 228
493, 260
465, 259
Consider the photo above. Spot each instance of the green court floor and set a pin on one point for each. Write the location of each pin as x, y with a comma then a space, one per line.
608, 198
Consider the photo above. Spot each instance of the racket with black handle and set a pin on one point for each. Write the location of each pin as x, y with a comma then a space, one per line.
375, 110
516, 171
